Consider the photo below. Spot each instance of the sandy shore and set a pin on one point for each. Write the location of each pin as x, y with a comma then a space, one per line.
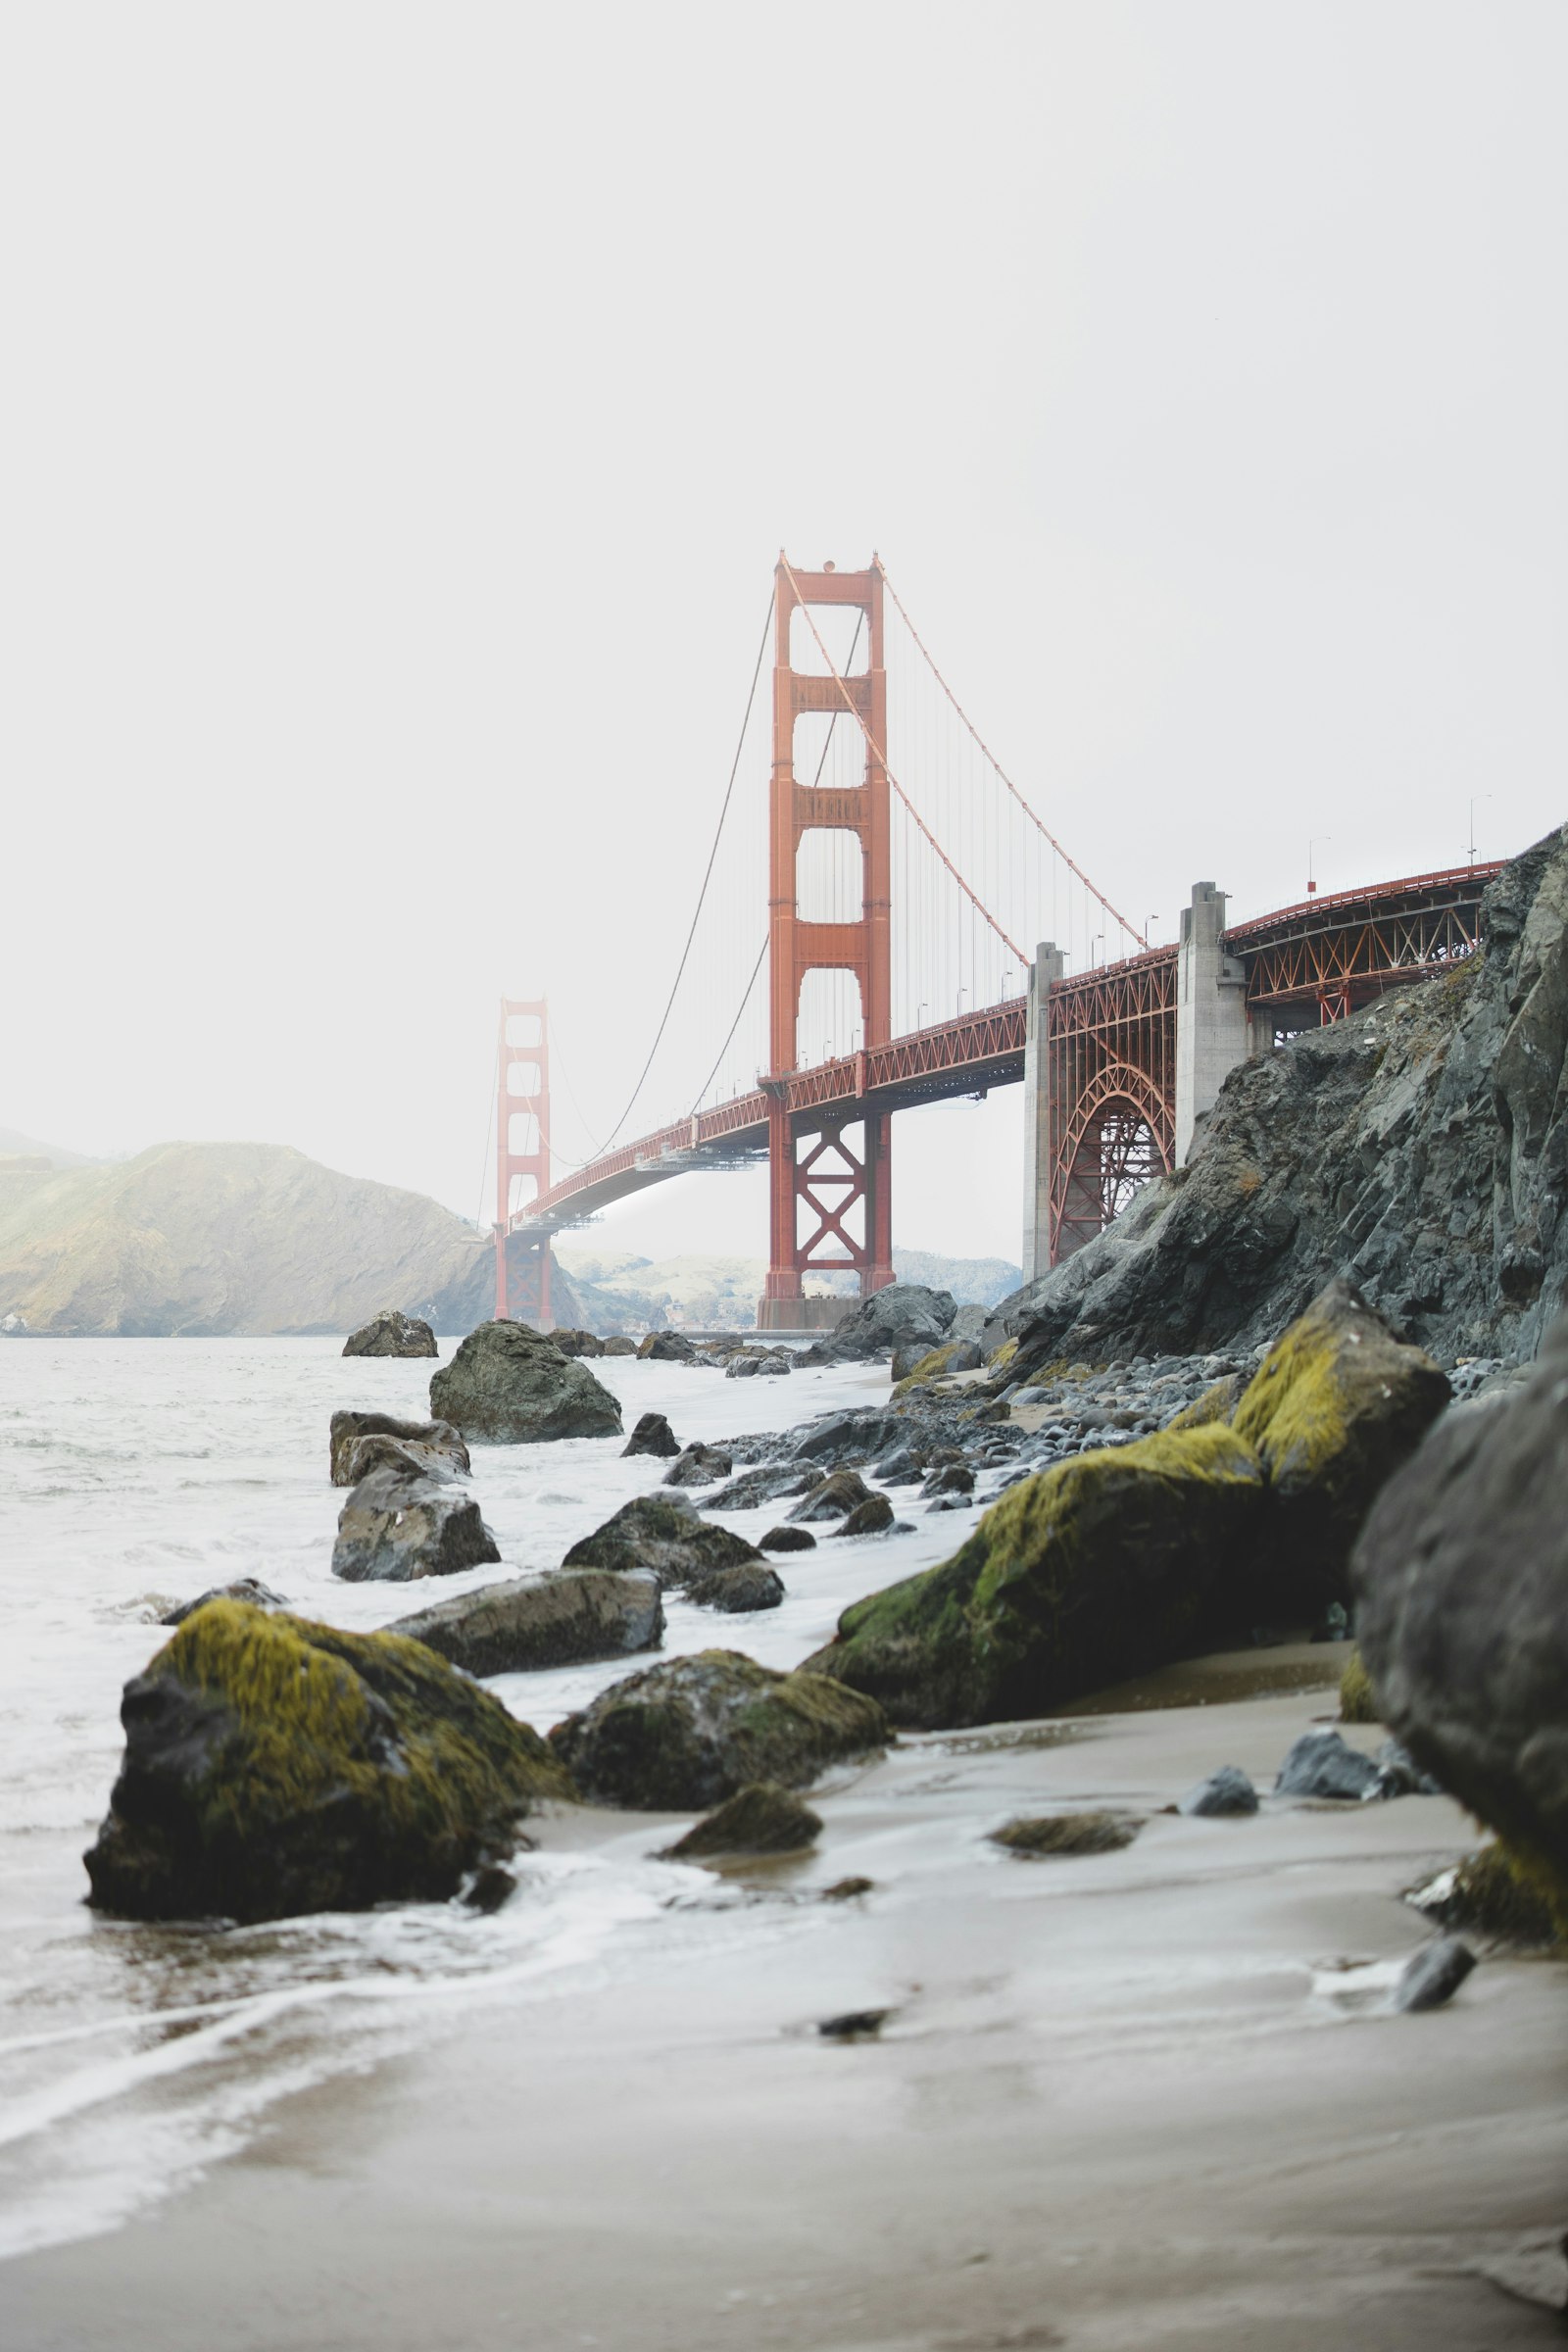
1145, 2098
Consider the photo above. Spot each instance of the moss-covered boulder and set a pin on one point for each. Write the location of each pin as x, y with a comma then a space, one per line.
510, 1386
759, 1819
274, 1766
662, 1532
690, 1732
1103, 1567
1335, 1406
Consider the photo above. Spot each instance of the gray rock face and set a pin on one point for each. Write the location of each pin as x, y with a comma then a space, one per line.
1421, 1149
668, 1348
561, 1619
872, 1517
1322, 1764
652, 1435
382, 1451
510, 1386
1433, 1975
663, 1533
698, 1466
577, 1342
1461, 1586
391, 1333
394, 1527
787, 1539
763, 1819
834, 1498
247, 1588
436, 1446
692, 1731
897, 1317
765, 1484
747, 1586
1224, 1792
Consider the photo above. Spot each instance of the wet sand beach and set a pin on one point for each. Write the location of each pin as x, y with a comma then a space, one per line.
1142, 2099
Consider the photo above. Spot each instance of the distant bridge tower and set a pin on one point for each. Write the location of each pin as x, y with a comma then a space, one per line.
523, 1152
819, 1189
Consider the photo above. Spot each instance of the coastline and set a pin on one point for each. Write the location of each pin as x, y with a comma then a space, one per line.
1139, 2098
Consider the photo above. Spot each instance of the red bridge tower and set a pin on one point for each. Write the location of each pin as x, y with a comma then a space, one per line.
522, 1081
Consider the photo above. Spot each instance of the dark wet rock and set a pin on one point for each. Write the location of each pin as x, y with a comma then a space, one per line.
698, 1466
558, 1619
741, 1368
394, 1527
896, 1317
510, 1386
490, 1889
690, 1732
770, 1367
852, 1436
759, 1819
953, 1478
577, 1342
1097, 1570
1226, 1791
765, 1484
1433, 1975
934, 1363
837, 1495
1418, 1147
391, 1333
856, 2025
1323, 1765
246, 1589
1402, 1776
749, 1585
872, 1517
899, 1468
436, 1446
843, 1890
1495, 1893
1063, 1834
661, 1531
668, 1348
275, 1767
618, 1343
787, 1539
652, 1435
1461, 1582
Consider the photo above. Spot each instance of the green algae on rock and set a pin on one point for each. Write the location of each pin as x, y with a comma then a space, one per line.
663, 1533
1358, 1701
1062, 1835
759, 1819
274, 1766
690, 1732
1099, 1568
1498, 1893
507, 1385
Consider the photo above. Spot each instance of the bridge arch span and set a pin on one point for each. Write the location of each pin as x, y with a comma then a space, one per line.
1117, 1135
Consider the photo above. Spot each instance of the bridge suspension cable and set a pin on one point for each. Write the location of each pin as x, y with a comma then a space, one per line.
1029, 810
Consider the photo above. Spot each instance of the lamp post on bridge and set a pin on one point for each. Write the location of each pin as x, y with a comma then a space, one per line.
1316, 842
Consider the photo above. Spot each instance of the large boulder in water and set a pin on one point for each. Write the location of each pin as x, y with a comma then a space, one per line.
689, 1733
663, 1533
1461, 1597
395, 1527
392, 1333
274, 1766
434, 1446
899, 1316
559, 1619
510, 1386
1108, 1565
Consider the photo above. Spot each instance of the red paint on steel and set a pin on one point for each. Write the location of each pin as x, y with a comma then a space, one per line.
528, 1061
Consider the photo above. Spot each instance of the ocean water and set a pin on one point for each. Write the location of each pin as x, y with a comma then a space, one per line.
136, 1473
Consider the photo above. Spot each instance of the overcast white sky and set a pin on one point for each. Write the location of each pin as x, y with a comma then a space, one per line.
402, 408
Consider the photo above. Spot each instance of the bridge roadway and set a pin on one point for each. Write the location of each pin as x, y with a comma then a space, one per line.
1112, 1035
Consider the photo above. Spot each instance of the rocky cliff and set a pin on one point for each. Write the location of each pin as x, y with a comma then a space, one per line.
1420, 1148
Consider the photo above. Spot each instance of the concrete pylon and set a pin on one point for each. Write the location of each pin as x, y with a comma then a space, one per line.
1048, 967
1211, 1026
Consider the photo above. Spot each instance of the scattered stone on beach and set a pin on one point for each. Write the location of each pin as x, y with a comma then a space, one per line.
395, 1527
748, 1586
561, 1618
1402, 1776
698, 1466
667, 1347
767, 1483
759, 1819
854, 2025
507, 1385
1063, 1834
392, 1333
1433, 1975
247, 1588
436, 1447
489, 1888
787, 1539
274, 1767
1224, 1792
618, 1343
872, 1517
900, 1468
688, 1732
894, 1317
661, 1531
834, 1498
652, 1435
1320, 1764
578, 1342
843, 1890
1461, 1584
949, 1478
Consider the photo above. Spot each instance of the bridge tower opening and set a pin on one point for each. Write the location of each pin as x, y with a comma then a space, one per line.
522, 1160
831, 1208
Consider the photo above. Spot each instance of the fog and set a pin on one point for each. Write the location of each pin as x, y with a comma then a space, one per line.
404, 409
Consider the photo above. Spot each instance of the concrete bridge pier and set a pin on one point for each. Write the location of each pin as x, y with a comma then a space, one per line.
1212, 1031
1047, 967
